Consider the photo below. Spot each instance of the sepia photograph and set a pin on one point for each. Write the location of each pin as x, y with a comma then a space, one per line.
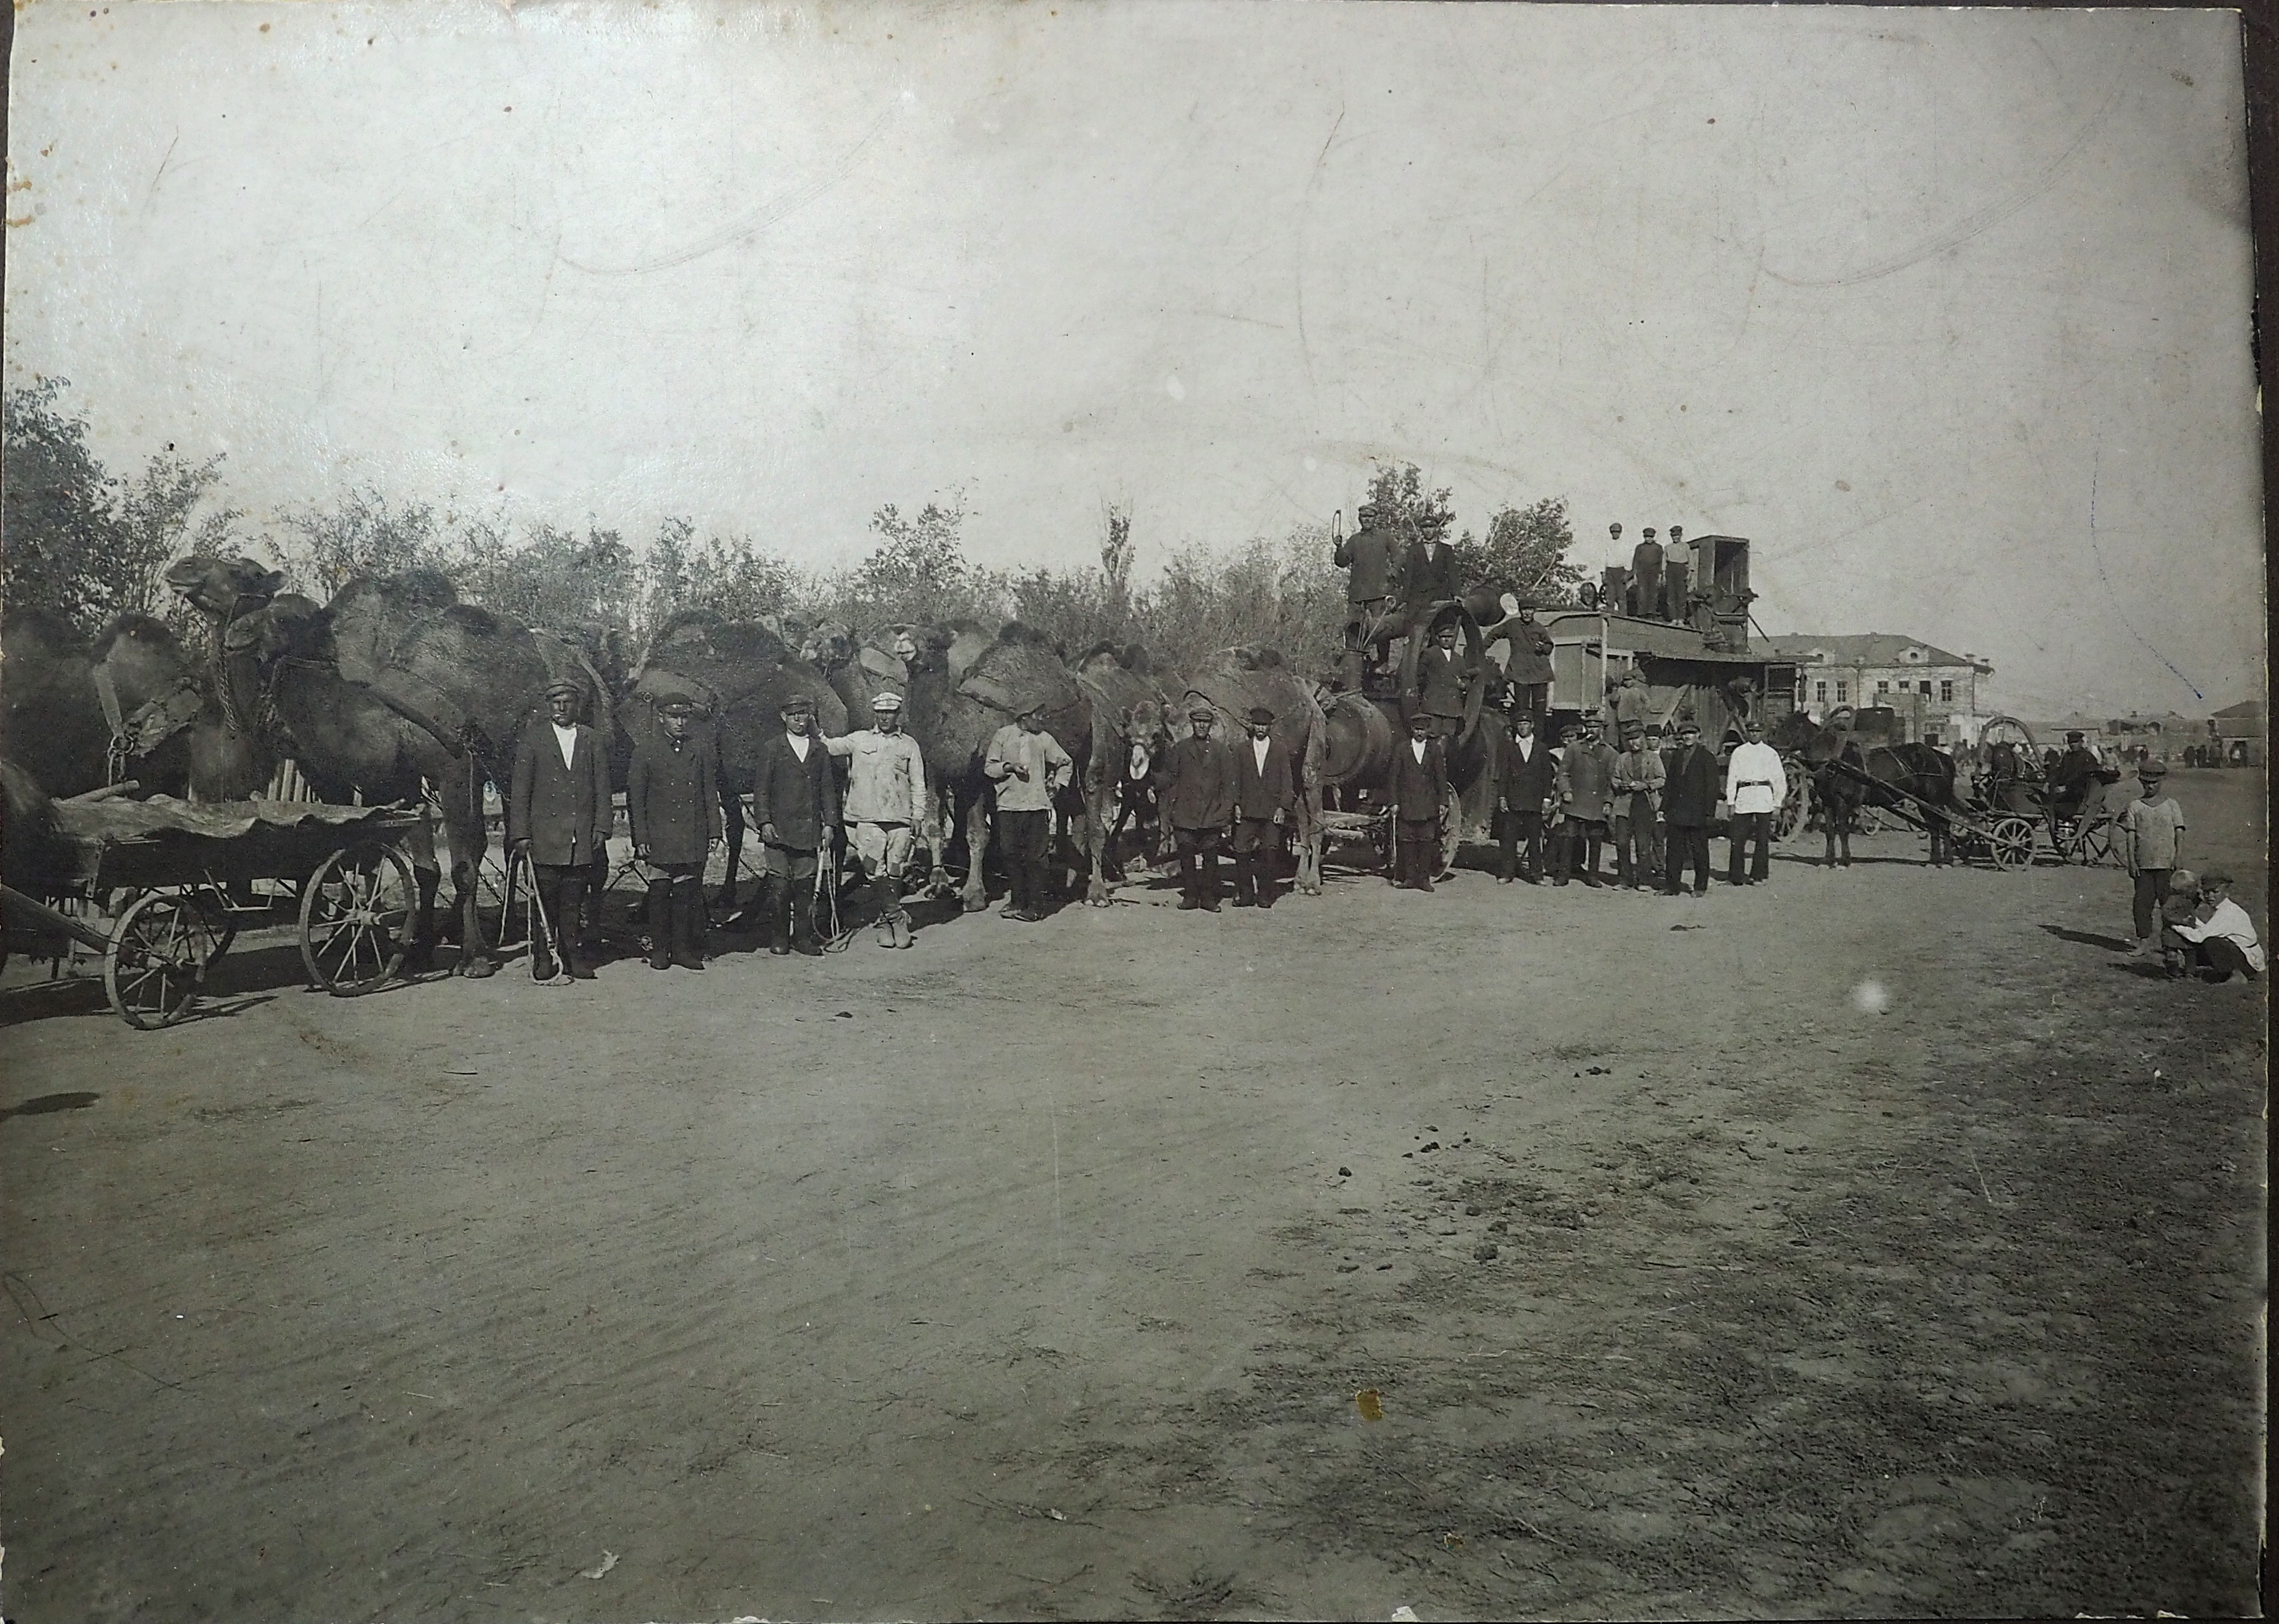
921, 809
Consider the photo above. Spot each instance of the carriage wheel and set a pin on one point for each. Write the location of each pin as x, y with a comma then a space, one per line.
356, 918
2097, 848
2011, 842
1795, 809
157, 958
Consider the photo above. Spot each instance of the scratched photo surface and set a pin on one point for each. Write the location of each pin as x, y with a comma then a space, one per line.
1867, 1222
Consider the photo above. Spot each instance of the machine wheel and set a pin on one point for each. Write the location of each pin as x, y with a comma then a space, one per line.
157, 958
2011, 842
356, 919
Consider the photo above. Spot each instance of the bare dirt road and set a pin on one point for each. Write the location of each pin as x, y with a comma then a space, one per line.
1036, 1272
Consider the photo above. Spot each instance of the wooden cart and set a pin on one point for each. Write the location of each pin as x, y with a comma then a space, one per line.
151, 881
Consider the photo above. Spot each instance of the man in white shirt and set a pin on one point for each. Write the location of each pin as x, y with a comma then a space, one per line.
1028, 767
2219, 937
885, 805
1755, 785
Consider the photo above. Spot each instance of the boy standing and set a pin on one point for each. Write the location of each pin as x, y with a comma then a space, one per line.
2152, 839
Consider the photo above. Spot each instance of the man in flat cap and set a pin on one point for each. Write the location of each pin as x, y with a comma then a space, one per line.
1420, 780
1265, 801
672, 801
1443, 675
1645, 600
2151, 842
1369, 553
796, 802
558, 815
1029, 768
1585, 790
1195, 800
2069, 781
886, 809
1528, 668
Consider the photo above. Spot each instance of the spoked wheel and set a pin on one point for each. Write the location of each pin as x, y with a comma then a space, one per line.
159, 955
356, 919
1795, 809
2011, 842
2096, 846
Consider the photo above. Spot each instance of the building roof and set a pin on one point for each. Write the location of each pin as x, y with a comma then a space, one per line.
1871, 648
2246, 710
1659, 640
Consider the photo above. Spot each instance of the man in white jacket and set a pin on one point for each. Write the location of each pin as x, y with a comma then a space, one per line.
1755, 785
885, 809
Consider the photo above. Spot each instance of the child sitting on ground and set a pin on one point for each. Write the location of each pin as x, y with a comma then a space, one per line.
2218, 937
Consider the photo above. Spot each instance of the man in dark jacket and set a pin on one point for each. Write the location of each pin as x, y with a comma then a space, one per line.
1529, 670
1265, 801
1525, 776
796, 802
1369, 554
1689, 800
1442, 676
672, 801
1420, 778
558, 815
1195, 799
1586, 797
1430, 583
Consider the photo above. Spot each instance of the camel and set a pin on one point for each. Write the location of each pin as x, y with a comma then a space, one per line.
1130, 730
169, 733
393, 687
739, 673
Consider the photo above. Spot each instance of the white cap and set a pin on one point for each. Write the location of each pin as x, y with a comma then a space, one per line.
888, 701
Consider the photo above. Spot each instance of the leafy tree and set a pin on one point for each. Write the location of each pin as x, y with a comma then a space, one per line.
732, 577
81, 542
1412, 512
365, 534
1525, 552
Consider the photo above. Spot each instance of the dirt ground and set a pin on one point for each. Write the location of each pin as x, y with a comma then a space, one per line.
1874, 1242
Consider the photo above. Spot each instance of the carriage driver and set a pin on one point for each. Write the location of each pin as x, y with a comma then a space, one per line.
884, 809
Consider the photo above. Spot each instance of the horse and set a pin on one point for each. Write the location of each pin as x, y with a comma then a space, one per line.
1912, 779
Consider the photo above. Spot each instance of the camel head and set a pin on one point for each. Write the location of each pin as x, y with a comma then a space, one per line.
222, 587
829, 646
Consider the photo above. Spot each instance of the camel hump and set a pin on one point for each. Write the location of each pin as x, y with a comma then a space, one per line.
878, 663
1018, 675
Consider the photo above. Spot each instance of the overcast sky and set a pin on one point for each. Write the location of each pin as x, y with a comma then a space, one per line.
1948, 311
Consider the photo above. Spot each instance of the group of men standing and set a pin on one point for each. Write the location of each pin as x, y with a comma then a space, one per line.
1559, 807
1242, 796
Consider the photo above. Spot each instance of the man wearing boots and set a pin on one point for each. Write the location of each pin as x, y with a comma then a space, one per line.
794, 801
672, 801
1369, 553
1420, 776
884, 809
558, 815
1529, 670
1265, 796
1639, 777
1525, 778
1756, 783
1689, 799
1029, 768
1195, 799
1587, 795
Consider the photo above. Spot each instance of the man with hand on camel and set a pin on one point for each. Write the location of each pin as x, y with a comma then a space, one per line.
885, 809
1420, 778
558, 815
1029, 768
796, 802
1265, 800
1195, 800
672, 801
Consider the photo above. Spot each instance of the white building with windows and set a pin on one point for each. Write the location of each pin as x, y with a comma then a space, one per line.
1935, 692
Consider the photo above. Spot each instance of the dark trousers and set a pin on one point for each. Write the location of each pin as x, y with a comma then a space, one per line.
562, 894
1026, 838
2223, 957
2152, 890
1580, 838
1518, 832
1257, 854
676, 915
1531, 699
1686, 842
1750, 829
1635, 863
1416, 853
1198, 864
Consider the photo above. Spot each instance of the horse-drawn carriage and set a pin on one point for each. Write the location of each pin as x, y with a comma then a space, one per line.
146, 886
2078, 823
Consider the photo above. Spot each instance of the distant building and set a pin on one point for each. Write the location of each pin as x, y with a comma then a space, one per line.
1934, 692
2237, 731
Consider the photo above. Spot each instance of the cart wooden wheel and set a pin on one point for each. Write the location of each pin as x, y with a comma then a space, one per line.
2097, 848
356, 915
2011, 842
157, 957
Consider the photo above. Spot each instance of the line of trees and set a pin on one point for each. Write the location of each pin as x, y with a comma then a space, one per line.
88, 545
